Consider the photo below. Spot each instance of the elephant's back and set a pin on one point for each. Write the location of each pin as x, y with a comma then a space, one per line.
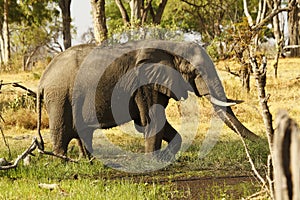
63, 68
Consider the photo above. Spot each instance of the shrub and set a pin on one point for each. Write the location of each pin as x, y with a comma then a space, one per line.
24, 118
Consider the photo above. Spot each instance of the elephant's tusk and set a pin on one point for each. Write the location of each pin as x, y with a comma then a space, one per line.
221, 103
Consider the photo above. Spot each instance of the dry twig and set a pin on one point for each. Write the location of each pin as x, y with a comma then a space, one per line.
4, 139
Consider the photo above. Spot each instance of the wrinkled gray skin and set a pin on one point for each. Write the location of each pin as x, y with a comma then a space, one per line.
57, 83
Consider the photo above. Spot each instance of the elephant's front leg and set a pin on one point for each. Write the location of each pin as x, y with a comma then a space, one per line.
174, 142
154, 130
152, 117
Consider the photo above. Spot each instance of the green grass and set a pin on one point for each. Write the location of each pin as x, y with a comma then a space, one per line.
95, 181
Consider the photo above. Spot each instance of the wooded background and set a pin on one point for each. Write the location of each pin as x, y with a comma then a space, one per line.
29, 27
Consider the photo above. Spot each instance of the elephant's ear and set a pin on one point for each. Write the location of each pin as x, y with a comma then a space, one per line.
167, 80
157, 67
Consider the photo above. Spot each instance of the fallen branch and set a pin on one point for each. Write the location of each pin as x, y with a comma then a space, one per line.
231, 72
35, 144
57, 156
29, 91
28, 151
3, 84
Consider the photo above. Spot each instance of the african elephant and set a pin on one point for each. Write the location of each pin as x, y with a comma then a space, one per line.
79, 84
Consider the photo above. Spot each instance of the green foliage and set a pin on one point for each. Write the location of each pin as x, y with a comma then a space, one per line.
38, 12
32, 24
234, 41
124, 34
177, 14
113, 16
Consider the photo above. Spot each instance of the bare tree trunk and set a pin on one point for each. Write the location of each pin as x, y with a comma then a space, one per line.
123, 11
5, 34
286, 158
260, 74
278, 37
66, 16
135, 7
245, 77
27, 60
1, 47
159, 12
99, 20
294, 27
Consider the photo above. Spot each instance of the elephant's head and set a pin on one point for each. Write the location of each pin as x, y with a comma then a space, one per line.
197, 69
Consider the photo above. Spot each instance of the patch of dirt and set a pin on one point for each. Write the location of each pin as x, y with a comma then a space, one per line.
217, 187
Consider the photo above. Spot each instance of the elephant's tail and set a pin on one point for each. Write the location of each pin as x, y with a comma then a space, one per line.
39, 98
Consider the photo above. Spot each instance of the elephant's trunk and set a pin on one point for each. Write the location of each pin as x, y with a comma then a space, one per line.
215, 94
226, 114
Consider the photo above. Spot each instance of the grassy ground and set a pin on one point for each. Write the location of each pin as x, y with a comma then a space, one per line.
224, 173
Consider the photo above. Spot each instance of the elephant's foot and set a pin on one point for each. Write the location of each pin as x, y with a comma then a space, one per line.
166, 155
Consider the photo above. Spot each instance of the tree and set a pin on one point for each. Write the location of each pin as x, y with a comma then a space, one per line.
38, 25
5, 42
65, 5
99, 20
294, 27
141, 11
278, 35
32, 24
211, 17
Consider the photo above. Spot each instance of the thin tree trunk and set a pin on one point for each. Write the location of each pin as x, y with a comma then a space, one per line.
160, 11
245, 77
99, 20
123, 11
286, 158
260, 74
135, 7
26, 61
5, 34
1, 48
145, 11
65, 6
278, 38
294, 27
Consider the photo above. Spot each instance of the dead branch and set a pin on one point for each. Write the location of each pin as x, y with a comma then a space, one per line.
35, 144
28, 151
48, 186
231, 72
57, 155
5, 141
52, 187
260, 74
256, 173
4, 84
269, 17
29, 91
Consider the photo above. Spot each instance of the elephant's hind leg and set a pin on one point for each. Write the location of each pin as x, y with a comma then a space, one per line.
60, 122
